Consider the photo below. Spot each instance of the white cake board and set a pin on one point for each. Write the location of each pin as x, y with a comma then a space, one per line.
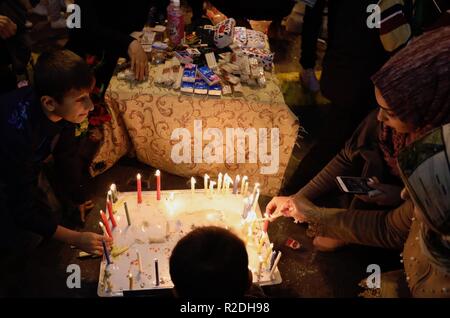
156, 226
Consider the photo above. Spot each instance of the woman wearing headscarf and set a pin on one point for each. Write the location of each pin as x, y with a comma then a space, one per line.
413, 92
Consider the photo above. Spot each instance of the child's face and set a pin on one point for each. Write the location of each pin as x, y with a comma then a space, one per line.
75, 106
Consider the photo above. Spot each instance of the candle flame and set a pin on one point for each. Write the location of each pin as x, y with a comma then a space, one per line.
157, 173
138, 176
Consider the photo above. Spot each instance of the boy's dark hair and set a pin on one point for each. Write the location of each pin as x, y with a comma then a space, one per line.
57, 72
210, 262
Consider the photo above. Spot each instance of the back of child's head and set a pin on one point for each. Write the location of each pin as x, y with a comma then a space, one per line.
59, 71
210, 262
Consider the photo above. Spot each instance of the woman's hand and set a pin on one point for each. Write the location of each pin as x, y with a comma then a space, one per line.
139, 60
273, 209
7, 27
389, 195
92, 242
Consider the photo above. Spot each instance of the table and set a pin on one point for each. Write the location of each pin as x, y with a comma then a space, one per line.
144, 116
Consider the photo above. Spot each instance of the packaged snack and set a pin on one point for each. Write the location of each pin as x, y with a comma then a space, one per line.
211, 60
184, 57
187, 87
193, 52
265, 57
200, 87
189, 73
224, 33
215, 90
226, 90
208, 75
160, 45
178, 77
238, 90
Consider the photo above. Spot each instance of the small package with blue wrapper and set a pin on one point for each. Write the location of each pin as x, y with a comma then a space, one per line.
187, 87
208, 75
200, 87
189, 73
215, 90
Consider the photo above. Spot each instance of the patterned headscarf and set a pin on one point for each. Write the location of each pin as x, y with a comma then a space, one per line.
416, 85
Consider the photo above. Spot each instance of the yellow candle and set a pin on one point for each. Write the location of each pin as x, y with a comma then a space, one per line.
245, 188
193, 185
268, 253
260, 244
219, 182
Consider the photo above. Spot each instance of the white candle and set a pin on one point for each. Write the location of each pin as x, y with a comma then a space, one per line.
205, 181
139, 261
260, 262
245, 211
113, 189
244, 180
272, 271
255, 200
193, 185
245, 188
219, 182
225, 182
256, 187
171, 196
105, 233
211, 187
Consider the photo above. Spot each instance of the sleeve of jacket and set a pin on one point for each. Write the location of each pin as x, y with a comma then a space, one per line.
388, 229
343, 164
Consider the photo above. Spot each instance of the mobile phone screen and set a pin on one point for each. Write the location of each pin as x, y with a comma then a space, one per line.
354, 184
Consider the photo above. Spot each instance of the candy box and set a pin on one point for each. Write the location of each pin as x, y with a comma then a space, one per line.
208, 75
215, 90
187, 87
224, 33
189, 73
200, 87
184, 57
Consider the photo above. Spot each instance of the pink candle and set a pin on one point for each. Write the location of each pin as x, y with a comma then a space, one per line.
158, 185
139, 188
111, 213
105, 223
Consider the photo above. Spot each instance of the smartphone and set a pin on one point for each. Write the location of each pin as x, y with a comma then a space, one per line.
355, 185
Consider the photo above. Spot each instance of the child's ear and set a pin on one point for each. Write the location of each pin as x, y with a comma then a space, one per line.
49, 103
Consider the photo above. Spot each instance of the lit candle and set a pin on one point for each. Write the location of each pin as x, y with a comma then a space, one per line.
261, 243
111, 213
245, 211
114, 192
109, 195
139, 261
219, 182
255, 200
139, 188
260, 262
205, 182
130, 279
156, 273
272, 271
211, 187
269, 252
106, 253
235, 185
127, 213
256, 187
245, 188
105, 223
244, 180
193, 185
158, 185
105, 233
272, 258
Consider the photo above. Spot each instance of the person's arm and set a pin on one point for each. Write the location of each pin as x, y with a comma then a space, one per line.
86, 241
312, 23
343, 163
388, 229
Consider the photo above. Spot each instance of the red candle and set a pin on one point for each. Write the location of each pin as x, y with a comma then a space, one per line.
139, 188
158, 185
111, 213
105, 223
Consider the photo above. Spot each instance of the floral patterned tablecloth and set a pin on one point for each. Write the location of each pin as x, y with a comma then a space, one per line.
144, 117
